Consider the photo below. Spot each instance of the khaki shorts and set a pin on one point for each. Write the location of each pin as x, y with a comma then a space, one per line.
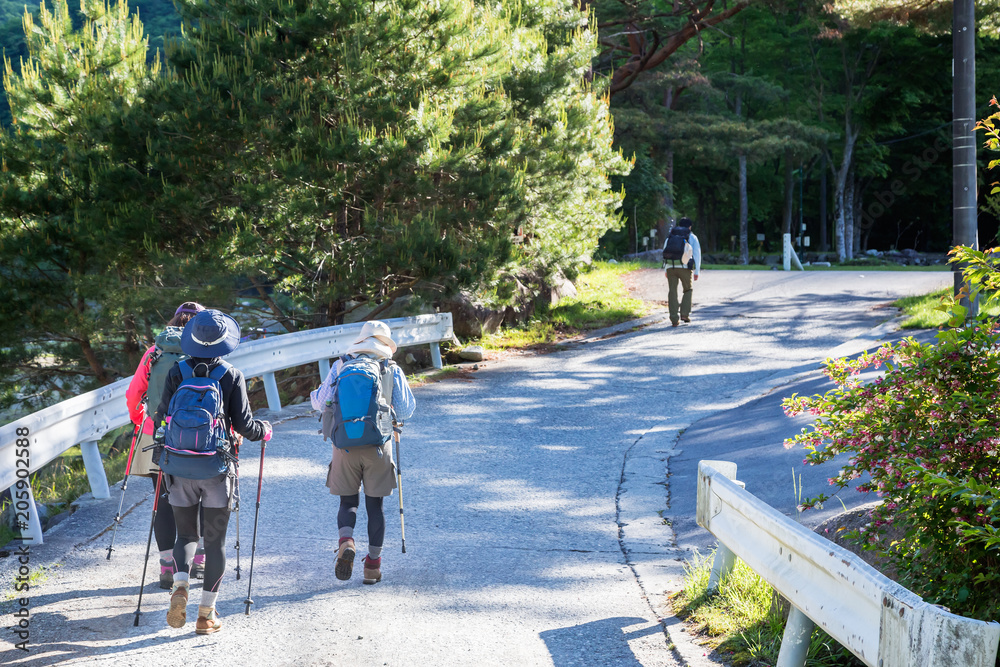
349, 468
142, 461
213, 493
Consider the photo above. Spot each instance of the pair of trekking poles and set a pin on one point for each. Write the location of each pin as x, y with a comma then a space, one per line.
152, 521
396, 430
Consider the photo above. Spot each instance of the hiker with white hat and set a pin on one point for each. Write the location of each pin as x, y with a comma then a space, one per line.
203, 479
363, 395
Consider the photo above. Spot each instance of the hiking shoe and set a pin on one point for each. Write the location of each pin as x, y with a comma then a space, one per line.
675, 324
167, 570
208, 621
177, 614
373, 570
345, 559
687, 319
198, 564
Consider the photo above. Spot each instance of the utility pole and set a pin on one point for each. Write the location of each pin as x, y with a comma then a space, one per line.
964, 220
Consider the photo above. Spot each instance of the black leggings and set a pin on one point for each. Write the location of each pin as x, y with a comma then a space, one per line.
348, 516
163, 525
215, 521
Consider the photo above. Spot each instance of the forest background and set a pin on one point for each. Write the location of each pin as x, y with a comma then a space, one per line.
318, 162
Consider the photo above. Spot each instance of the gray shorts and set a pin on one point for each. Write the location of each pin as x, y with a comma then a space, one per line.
214, 492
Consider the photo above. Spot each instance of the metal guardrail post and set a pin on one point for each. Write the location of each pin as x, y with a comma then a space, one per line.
95, 469
32, 534
436, 355
271, 391
723, 564
324, 369
795, 641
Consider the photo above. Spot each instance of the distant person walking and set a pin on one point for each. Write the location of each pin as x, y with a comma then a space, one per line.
363, 395
211, 404
682, 264
143, 396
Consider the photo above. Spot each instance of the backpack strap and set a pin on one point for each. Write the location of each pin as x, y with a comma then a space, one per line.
220, 371
187, 371
387, 372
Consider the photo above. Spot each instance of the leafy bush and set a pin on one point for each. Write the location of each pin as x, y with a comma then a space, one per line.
926, 435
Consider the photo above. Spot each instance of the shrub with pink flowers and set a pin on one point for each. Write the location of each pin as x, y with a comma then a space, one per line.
924, 437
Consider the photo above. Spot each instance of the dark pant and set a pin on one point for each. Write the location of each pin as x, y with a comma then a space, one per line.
682, 276
215, 522
163, 524
348, 516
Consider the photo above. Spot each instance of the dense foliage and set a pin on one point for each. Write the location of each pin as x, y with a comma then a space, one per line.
924, 437
324, 157
870, 94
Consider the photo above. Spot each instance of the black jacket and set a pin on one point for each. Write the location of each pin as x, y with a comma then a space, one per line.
234, 395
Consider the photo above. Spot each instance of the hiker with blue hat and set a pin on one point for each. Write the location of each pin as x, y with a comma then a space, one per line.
203, 403
363, 396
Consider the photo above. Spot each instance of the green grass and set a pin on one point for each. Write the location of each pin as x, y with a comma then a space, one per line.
602, 300
743, 622
925, 312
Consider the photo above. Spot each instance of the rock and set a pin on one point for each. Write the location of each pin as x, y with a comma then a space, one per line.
612, 261
560, 287
910, 253
873, 253
297, 400
473, 353
821, 264
471, 319
409, 358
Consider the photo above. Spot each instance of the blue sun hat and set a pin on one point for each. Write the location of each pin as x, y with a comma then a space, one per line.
210, 333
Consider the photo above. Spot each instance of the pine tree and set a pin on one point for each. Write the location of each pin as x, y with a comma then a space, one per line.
71, 231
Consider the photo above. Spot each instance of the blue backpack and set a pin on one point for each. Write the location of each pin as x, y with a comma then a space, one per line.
196, 446
359, 413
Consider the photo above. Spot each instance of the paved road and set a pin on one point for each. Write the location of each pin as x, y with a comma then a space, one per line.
539, 496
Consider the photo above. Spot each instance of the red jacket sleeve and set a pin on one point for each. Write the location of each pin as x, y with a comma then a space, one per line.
137, 389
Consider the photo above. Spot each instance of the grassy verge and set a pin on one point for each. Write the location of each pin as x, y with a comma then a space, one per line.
743, 622
602, 300
924, 312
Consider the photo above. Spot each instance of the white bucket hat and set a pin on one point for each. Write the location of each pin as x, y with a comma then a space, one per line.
375, 338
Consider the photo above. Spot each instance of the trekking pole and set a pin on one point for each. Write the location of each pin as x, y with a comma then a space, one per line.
253, 543
237, 521
121, 503
397, 428
149, 541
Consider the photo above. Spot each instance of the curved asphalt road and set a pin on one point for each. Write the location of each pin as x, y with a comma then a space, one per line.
540, 493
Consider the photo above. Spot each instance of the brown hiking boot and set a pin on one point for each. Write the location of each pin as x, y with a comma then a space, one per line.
208, 621
373, 570
345, 559
177, 614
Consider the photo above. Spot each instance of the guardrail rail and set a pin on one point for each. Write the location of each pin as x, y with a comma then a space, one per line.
84, 419
878, 620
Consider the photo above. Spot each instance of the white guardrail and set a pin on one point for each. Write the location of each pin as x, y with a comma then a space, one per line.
878, 620
31, 442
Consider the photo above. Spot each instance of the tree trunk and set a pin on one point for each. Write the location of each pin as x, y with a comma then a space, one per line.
840, 186
824, 235
92, 360
668, 201
849, 216
744, 212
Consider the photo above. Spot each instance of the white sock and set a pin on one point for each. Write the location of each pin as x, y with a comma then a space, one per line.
208, 598
167, 556
182, 579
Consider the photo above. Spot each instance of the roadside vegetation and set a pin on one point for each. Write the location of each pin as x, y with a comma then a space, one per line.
602, 300
743, 620
930, 311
